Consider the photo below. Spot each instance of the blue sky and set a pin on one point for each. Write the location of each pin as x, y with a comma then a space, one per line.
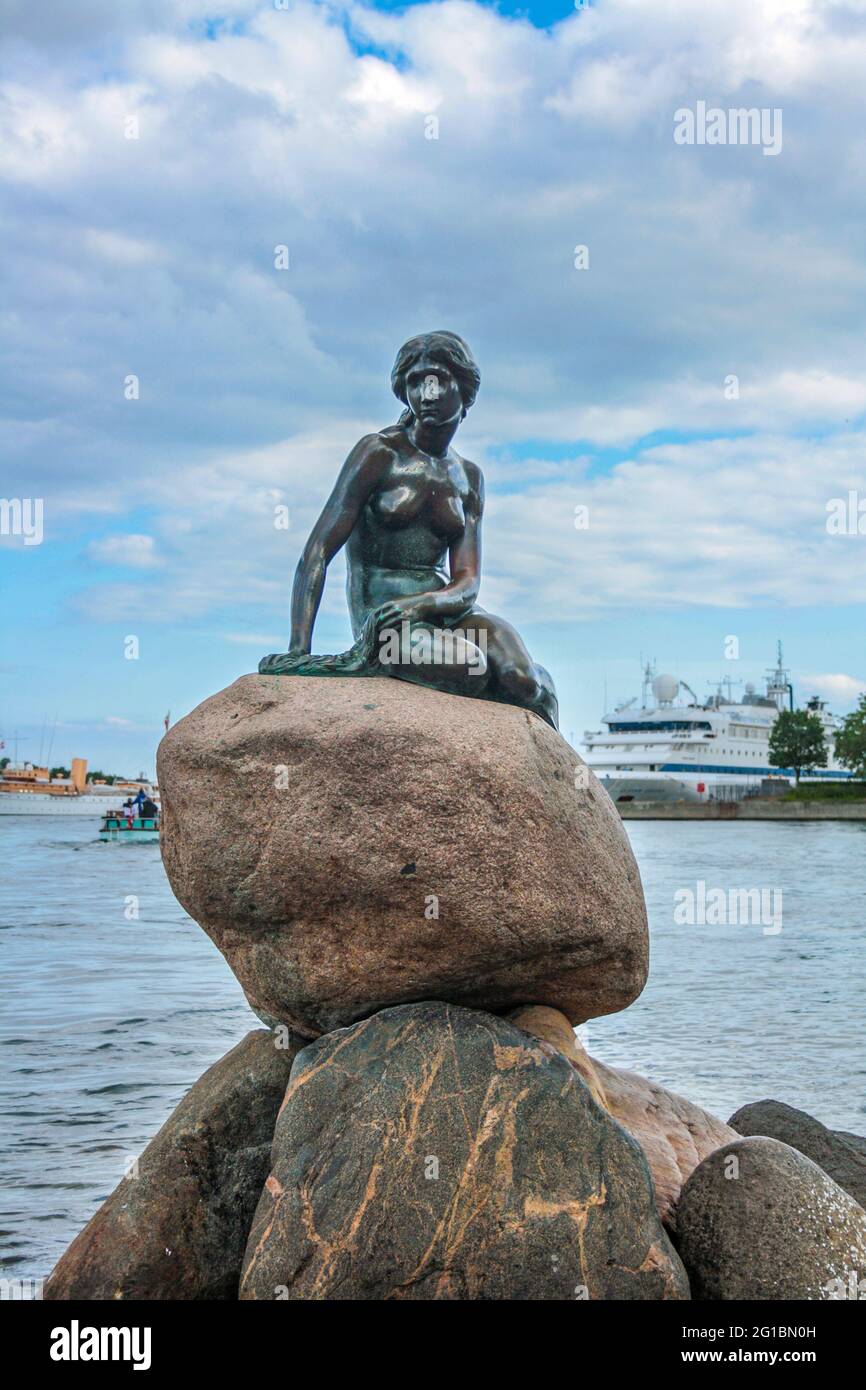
602, 387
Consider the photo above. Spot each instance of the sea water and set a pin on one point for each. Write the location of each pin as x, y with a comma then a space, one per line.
114, 1001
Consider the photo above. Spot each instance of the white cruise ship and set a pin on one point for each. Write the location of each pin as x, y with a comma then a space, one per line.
673, 748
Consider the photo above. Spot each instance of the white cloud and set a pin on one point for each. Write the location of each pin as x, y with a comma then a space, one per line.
130, 551
155, 256
843, 689
712, 524
127, 250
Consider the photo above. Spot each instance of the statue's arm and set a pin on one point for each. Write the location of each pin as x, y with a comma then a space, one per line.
357, 479
464, 557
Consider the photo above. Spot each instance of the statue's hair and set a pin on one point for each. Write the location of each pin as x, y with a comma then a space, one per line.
446, 348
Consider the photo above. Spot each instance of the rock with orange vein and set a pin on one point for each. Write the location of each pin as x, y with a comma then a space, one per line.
550, 1026
675, 1134
435, 1152
176, 1227
358, 843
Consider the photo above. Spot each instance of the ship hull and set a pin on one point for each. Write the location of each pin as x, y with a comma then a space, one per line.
129, 835
620, 787
37, 804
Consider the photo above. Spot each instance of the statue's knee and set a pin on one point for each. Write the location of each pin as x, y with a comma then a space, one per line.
519, 684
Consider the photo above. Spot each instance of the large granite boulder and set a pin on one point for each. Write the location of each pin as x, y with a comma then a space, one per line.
176, 1228
758, 1221
675, 1134
843, 1160
433, 1152
353, 843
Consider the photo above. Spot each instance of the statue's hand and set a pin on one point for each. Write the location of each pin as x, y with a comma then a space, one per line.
412, 610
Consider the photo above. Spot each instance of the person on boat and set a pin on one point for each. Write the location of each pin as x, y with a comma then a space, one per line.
148, 808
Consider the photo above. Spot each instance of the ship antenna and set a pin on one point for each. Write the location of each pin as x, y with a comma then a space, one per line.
778, 682
51, 743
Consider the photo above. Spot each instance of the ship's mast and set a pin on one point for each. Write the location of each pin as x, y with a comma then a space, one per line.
779, 688
649, 671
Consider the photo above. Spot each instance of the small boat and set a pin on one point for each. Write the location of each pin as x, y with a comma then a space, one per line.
118, 826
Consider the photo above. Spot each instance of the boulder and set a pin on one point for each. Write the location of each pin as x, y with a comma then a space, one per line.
758, 1221
351, 843
857, 1141
833, 1151
674, 1134
434, 1152
177, 1228
553, 1028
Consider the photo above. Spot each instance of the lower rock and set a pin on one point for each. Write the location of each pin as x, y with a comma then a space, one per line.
857, 1141
674, 1134
552, 1027
434, 1152
178, 1229
757, 1220
842, 1160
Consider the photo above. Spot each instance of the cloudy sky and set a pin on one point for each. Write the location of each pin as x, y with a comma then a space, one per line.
699, 385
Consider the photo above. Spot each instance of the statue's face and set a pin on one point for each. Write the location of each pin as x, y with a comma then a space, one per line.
432, 393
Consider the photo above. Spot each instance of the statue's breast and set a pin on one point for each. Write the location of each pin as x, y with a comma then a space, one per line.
411, 496
397, 506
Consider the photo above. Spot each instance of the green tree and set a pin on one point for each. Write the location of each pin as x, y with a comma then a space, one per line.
4, 762
851, 740
59, 772
797, 740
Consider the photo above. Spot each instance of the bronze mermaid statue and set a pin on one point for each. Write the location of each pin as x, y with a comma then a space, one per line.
408, 510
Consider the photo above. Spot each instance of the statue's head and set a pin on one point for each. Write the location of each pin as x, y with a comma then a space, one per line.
436, 377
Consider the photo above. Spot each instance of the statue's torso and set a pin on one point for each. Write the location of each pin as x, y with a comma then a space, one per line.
401, 540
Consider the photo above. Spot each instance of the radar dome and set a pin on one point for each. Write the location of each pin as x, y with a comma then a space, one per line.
665, 689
